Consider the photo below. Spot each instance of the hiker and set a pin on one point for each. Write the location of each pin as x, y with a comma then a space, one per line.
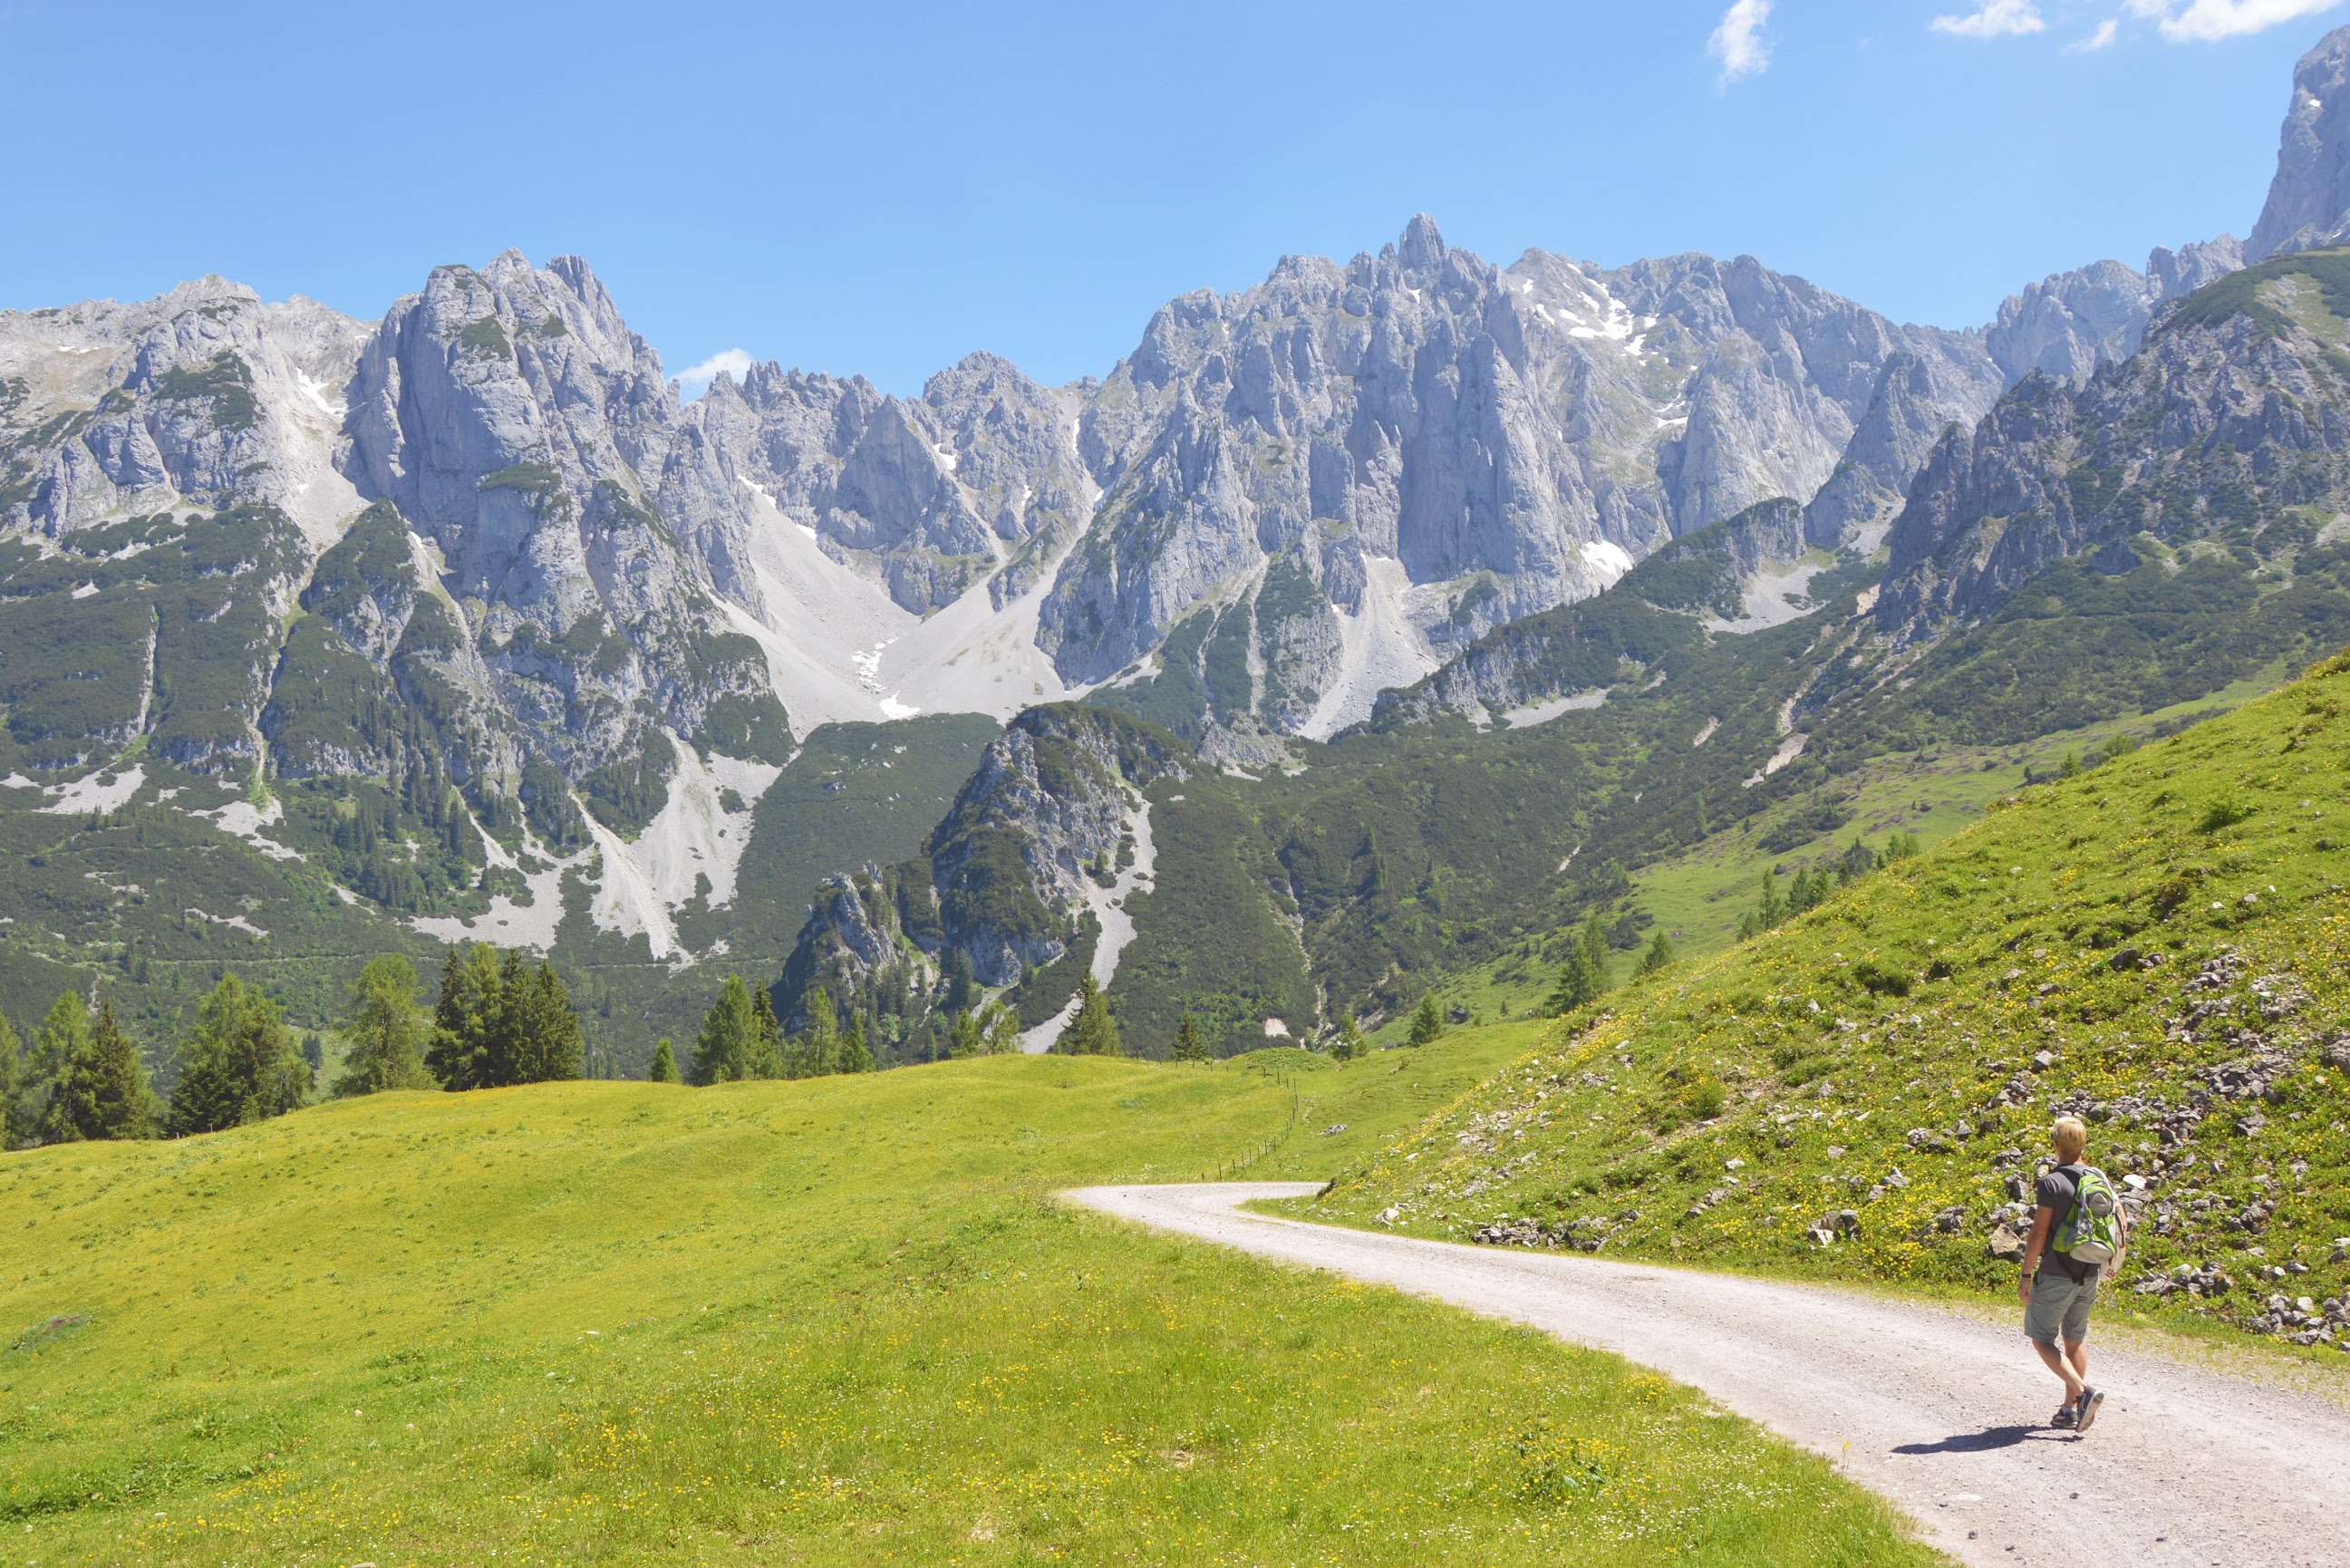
2077, 1236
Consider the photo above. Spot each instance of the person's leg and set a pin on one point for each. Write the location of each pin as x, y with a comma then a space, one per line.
2060, 1364
2075, 1330
2043, 1319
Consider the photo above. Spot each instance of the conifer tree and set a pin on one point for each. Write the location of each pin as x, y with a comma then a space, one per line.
101, 1092
1189, 1045
963, 986
1349, 1043
770, 1063
1595, 952
728, 1048
1582, 979
388, 1029
15, 1125
470, 991
241, 1065
664, 1069
963, 1039
65, 1031
1427, 1023
1660, 954
819, 1047
856, 1056
537, 1038
1091, 1031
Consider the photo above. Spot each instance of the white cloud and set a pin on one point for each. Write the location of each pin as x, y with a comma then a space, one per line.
2108, 30
1739, 43
2201, 21
734, 362
1997, 19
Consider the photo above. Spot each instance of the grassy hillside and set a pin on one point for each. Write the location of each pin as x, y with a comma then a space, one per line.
834, 1321
1699, 896
2162, 946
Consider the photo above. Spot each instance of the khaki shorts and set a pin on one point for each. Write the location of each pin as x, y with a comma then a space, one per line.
2059, 1307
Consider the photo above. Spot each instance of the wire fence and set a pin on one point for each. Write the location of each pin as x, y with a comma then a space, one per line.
1241, 1165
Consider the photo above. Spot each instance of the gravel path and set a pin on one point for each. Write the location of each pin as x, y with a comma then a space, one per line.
1940, 1411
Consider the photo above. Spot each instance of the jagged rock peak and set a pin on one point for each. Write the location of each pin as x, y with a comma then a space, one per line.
2233, 395
2071, 323
1421, 247
2309, 198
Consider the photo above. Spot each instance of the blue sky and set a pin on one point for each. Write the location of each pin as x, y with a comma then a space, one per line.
882, 189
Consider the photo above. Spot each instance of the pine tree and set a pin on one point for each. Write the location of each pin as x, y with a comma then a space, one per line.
728, 1048
537, 1039
963, 1039
819, 1047
1427, 1023
856, 1056
63, 1031
101, 1092
500, 1022
15, 1125
1091, 1031
1582, 979
1189, 1045
665, 1070
770, 1064
1575, 988
241, 1065
1595, 952
388, 1028
1660, 954
1349, 1045
471, 991
962, 984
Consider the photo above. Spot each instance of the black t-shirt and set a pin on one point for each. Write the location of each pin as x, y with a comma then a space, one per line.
2059, 1191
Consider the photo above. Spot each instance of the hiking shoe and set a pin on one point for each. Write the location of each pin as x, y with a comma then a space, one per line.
2065, 1419
2090, 1399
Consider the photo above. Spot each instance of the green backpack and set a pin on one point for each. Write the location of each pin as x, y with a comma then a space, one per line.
2091, 1232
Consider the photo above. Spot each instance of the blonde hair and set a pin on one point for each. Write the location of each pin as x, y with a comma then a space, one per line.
2071, 1135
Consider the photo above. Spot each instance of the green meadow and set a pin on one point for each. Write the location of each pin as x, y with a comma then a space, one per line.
840, 1320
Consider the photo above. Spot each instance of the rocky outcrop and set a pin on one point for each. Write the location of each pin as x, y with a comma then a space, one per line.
855, 947
1003, 889
930, 494
1906, 415
204, 396
380, 678
531, 440
2309, 197
2233, 412
1050, 799
2072, 322
1660, 607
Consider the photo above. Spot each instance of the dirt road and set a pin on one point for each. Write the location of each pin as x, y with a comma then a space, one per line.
1940, 1411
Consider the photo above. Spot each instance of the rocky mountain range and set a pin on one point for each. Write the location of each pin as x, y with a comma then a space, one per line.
481, 557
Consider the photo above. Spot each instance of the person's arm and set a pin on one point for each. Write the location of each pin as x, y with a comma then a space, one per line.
2032, 1246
